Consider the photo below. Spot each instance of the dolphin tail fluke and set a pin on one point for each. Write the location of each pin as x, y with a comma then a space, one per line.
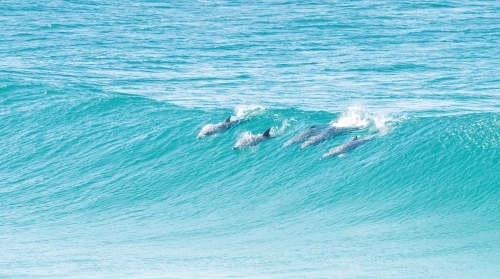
228, 119
266, 133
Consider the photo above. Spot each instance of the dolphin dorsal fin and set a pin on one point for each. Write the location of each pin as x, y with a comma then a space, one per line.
266, 133
228, 119
355, 138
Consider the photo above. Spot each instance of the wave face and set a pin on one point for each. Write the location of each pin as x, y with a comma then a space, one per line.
102, 174
119, 184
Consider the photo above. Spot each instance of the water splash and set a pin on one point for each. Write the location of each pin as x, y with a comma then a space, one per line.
358, 117
354, 117
246, 112
277, 131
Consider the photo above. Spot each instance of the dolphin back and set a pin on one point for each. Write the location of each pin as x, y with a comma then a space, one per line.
311, 131
344, 148
212, 129
266, 133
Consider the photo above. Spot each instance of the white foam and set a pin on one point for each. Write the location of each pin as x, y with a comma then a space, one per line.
248, 111
276, 131
356, 116
246, 135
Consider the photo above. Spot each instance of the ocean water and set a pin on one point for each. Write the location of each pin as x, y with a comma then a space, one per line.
102, 174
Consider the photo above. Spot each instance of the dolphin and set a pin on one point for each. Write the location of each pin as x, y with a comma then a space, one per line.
329, 133
314, 129
341, 149
253, 140
212, 129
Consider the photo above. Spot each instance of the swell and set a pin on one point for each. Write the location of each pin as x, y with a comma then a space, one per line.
103, 153
111, 172
79, 152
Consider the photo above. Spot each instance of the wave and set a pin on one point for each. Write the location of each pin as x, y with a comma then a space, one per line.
129, 171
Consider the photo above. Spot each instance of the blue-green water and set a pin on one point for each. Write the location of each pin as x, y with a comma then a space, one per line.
102, 176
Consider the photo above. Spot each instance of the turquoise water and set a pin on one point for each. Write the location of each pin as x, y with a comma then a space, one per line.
102, 176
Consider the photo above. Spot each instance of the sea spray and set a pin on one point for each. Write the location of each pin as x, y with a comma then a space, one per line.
277, 131
246, 112
355, 116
